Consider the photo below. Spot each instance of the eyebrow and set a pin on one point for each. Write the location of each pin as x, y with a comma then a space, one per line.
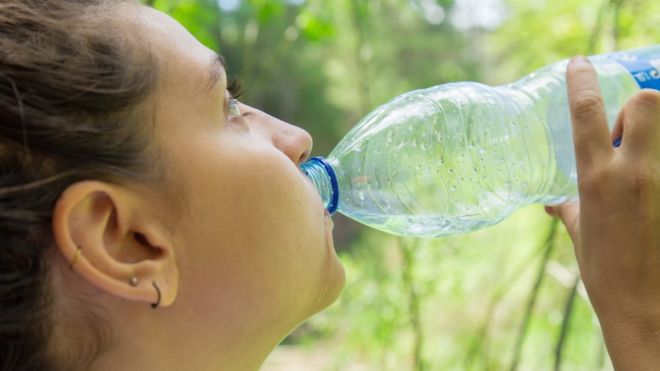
217, 69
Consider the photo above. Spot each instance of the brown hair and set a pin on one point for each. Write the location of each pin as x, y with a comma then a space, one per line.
69, 97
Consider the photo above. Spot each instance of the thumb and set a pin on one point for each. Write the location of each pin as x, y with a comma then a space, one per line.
568, 213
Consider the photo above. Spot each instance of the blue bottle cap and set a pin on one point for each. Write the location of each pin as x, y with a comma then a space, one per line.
334, 198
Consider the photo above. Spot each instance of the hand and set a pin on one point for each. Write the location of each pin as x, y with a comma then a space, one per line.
615, 224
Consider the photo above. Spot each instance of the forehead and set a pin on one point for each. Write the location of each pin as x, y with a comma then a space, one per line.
185, 64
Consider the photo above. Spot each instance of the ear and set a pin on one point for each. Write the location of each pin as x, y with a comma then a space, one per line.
108, 233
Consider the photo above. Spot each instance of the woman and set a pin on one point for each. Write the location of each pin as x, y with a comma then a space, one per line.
132, 179
152, 222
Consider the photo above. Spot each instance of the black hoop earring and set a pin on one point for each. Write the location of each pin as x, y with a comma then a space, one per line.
156, 304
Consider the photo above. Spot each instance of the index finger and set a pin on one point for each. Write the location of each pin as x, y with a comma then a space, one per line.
590, 131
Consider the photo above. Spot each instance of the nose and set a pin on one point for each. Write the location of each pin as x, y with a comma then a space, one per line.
293, 141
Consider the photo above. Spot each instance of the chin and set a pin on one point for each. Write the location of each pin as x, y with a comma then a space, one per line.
334, 284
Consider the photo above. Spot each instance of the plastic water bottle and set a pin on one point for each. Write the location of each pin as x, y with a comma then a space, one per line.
462, 156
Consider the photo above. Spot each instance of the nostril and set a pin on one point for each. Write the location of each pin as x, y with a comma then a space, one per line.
308, 144
303, 157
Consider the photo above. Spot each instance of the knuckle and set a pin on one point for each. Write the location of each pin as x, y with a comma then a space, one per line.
587, 106
647, 98
641, 182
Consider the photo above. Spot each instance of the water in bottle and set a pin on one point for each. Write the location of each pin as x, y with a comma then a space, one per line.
462, 156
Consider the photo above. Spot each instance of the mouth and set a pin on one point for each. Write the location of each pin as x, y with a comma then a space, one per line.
329, 224
310, 184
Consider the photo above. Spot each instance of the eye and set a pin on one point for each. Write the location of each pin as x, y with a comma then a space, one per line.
234, 90
232, 108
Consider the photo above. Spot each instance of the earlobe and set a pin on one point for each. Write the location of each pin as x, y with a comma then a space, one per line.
110, 240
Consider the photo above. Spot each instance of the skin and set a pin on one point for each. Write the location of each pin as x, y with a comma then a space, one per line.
239, 246
236, 239
614, 224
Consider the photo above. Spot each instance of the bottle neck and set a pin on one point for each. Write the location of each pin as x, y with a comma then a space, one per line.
322, 175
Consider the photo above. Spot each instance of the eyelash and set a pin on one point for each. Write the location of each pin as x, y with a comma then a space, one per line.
235, 90
235, 87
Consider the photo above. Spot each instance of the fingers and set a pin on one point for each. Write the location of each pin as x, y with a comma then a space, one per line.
590, 131
568, 213
640, 119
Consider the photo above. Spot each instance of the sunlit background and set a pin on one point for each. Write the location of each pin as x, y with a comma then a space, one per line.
504, 298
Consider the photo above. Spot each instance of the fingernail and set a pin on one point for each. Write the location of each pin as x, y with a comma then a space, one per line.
580, 60
550, 210
617, 142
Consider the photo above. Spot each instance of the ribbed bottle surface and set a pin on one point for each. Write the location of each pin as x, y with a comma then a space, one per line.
462, 156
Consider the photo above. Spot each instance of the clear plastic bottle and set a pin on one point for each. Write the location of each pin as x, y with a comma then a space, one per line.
462, 156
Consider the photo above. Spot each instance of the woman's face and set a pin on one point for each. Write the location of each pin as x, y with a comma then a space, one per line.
253, 245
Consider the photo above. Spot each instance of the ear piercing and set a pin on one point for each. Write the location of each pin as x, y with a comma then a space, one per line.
157, 303
133, 281
75, 258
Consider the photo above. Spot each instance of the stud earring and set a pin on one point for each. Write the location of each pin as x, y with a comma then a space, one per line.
133, 281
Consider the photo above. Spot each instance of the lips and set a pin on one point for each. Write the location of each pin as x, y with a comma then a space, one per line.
329, 226
310, 184
328, 217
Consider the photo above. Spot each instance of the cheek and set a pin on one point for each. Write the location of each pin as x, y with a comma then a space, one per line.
264, 262
257, 227
271, 208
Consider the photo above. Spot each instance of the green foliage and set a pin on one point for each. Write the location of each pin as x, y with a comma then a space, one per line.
198, 16
475, 302
315, 26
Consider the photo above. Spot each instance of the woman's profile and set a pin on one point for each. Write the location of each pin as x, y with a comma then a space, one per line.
149, 221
